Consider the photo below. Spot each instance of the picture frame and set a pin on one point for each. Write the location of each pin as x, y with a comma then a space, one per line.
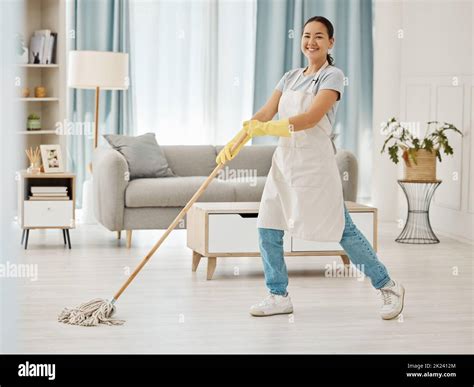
52, 158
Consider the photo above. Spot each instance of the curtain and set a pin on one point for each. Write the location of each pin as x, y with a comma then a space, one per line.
194, 68
101, 25
279, 29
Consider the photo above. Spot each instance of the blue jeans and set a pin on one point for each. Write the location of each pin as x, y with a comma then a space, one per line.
354, 243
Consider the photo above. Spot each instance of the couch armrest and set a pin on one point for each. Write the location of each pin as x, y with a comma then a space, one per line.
110, 180
349, 172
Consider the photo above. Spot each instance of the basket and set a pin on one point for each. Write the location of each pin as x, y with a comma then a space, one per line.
425, 167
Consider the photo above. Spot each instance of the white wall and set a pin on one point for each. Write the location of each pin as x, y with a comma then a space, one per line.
426, 74
11, 149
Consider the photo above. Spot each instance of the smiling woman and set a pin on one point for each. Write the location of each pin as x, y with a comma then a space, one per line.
303, 194
318, 37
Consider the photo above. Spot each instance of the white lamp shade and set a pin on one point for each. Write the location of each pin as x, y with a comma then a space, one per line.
104, 69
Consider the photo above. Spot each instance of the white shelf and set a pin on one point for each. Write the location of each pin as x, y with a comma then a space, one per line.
46, 66
32, 99
31, 132
38, 15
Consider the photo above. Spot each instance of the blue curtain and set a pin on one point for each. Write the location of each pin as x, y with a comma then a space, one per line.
101, 25
279, 28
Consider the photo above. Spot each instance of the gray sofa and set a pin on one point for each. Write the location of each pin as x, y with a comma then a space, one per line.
123, 204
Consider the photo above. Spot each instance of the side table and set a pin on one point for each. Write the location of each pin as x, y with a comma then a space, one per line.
48, 210
417, 228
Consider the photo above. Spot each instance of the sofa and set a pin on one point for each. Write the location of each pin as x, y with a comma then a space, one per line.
153, 203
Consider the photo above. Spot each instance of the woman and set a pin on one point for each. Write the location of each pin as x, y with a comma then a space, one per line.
303, 191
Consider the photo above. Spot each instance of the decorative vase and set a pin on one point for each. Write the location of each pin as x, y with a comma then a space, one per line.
424, 169
34, 168
40, 91
87, 216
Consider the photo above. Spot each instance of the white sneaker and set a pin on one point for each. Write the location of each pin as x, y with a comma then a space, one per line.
392, 297
271, 305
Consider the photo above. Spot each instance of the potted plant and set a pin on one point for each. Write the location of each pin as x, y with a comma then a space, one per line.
419, 154
33, 122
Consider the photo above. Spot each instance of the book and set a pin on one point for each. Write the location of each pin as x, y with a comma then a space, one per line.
49, 194
36, 49
46, 45
48, 189
52, 198
52, 50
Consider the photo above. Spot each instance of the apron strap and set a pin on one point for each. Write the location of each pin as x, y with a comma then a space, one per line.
315, 78
332, 137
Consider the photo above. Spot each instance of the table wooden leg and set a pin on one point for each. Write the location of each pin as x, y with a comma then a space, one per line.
211, 267
196, 259
345, 260
119, 234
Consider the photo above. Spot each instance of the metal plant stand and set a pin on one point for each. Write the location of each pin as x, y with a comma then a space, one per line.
417, 228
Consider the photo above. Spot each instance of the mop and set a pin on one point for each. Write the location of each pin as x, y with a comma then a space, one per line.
100, 311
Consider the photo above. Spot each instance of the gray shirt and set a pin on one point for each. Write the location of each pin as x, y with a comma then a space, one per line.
330, 78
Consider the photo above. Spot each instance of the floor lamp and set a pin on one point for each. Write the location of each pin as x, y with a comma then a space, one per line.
97, 70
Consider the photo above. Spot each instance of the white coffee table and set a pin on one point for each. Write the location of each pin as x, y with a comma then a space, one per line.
229, 229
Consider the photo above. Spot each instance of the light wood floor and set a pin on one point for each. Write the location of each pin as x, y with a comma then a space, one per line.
169, 309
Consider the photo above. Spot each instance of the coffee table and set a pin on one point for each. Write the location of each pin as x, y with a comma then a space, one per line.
229, 229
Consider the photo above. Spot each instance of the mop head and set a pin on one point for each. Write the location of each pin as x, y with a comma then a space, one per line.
90, 314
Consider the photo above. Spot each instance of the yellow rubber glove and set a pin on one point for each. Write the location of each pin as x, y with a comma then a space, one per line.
278, 128
225, 154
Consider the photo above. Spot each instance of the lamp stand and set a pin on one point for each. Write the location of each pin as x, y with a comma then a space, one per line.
96, 124
87, 191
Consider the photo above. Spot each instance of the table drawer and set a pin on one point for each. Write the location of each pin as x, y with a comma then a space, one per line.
233, 233
364, 222
48, 213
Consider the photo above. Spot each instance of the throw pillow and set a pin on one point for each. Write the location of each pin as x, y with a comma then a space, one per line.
144, 156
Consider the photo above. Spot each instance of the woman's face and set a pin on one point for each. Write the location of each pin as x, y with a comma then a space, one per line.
315, 41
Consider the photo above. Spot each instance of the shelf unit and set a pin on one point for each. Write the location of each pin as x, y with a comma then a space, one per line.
45, 66
43, 14
33, 99
37, 132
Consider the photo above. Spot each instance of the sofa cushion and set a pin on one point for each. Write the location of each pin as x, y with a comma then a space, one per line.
175, 191
143, 154
191, 160
249, 192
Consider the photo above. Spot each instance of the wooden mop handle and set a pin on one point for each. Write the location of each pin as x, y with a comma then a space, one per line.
172, 226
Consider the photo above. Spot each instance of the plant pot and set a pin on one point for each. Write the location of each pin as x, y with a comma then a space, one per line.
424, 169
33, 124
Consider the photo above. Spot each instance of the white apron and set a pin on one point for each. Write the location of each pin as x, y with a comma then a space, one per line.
303, 191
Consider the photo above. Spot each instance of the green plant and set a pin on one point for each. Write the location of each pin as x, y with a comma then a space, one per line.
20, 44
399, 137
33, 116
